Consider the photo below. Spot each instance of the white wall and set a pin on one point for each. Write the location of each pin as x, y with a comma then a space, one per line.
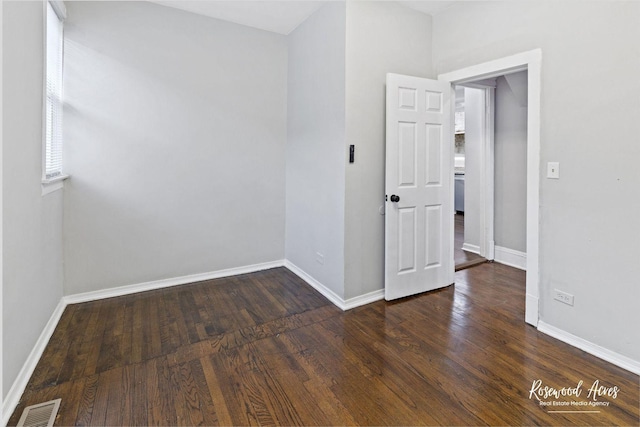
474, 128
510, 195
315, 160
382, 37
590, 105
32, 223
1, 217
175, 133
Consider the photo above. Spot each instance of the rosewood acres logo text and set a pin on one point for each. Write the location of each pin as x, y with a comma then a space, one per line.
573, 399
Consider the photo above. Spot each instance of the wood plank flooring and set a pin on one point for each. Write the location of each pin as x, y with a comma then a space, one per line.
266, 349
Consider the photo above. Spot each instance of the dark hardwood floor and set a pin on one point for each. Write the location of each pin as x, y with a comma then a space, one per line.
463, 259
266, 349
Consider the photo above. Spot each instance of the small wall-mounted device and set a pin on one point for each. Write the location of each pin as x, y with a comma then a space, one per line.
352, 153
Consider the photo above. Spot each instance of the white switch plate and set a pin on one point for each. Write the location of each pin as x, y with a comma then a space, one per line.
553, 170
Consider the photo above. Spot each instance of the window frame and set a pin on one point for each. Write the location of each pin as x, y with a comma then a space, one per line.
55, 182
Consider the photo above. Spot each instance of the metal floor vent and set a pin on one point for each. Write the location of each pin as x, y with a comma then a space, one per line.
40, 415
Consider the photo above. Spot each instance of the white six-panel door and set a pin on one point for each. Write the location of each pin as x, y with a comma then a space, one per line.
418, 215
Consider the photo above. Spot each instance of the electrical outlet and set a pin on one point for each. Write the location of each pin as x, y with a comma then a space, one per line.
319, 258
563, 297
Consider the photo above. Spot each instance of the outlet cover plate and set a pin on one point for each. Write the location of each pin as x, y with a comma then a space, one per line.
563, 297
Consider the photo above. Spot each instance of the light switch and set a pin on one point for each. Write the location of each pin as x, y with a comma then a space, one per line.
553, 170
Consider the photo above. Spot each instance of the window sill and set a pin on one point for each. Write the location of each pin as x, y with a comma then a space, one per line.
53, 184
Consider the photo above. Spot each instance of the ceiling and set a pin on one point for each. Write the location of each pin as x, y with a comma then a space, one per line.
276, 16
429, 7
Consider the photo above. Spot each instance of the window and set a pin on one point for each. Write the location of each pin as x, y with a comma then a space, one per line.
53, 98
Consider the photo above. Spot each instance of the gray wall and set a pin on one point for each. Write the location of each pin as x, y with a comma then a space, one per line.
315, 146
175, 133
590, 105
382, 37
32, 223
328, 96
510, 194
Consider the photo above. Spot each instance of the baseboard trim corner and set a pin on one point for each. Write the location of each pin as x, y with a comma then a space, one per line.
315, 284
165, 283
335, 299
617, 359
364, 299
11, 400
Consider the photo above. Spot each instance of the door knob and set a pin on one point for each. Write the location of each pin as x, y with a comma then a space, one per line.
395, 198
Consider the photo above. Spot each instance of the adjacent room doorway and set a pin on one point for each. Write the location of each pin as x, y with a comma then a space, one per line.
473, 172
419, 232
531, 62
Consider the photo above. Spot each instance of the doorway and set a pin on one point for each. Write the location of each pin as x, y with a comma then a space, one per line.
472, 135
530, 61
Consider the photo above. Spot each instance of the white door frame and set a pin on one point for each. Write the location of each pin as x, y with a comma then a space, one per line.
530, 61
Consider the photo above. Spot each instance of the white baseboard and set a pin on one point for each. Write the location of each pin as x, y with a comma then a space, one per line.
331, 295
363, 299
617, 359
510, 257
12, 398
326, 292
531, 310
165, 283
471, 248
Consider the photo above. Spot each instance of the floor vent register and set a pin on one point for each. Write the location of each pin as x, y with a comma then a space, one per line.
40, 415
